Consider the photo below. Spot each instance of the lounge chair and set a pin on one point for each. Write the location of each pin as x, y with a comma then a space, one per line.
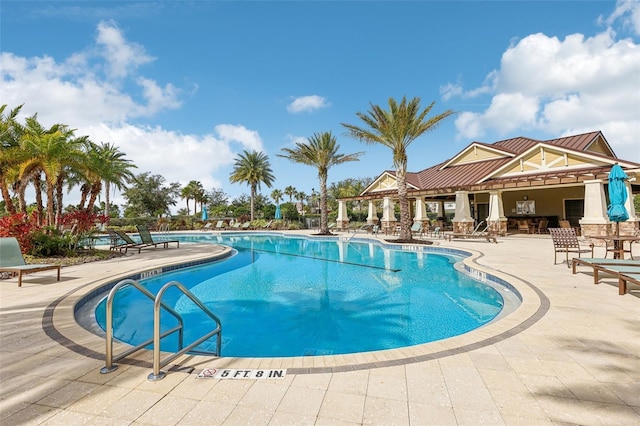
268, 225
220, 224
624, 279
12, 261
543, 224
611, 266
236, 225
117, 242
476, 233
148, 240
523, 225
416, 228
246, 225
128, 242
566, 241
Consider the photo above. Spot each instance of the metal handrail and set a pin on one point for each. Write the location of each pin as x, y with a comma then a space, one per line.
109, 358
157, 374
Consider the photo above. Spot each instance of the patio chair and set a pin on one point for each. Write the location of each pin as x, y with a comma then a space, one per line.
128, 242
543, 224
148, 240
220, 224
12, 261
566, 241
246, 225
523, 225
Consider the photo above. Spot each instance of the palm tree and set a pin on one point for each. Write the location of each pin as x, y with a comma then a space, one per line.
10, 153
276, 196
396, 129
115, 171
290, 191
188, 193
50, 151
301, 197
320, 151
253, 168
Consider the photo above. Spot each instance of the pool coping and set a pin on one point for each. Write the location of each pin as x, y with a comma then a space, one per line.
59, 323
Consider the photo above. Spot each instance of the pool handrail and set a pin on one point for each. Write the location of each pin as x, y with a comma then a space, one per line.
109, 358
157, 373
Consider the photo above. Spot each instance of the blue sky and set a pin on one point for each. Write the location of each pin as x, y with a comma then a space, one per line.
182, 87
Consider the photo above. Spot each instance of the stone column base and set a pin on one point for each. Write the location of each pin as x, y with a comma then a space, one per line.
342, 224
388, 226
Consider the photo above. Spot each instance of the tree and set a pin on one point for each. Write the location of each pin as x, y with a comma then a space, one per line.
320, 151
290, 191
149, 196
10, 153
396, 128
252, 168
276, 196
189, 192
115, 171
217, 198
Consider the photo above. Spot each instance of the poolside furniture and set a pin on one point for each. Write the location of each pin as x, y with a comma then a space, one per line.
220, 224
246, 225
12, 261
611, 266
523, 225
116, 242
476, 233
624, 279
128, 242
566, 241
148, 240
236, 225
543, 224
416, 228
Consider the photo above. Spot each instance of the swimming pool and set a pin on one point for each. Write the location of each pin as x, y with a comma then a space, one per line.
282, 296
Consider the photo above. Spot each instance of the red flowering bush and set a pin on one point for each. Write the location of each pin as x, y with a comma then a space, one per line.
83, 220
22, 226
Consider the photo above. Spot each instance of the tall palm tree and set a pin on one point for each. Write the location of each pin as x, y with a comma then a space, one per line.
320, 151
50, 150
290, 191
276, 196
10, 153
396, 128
252, 168
113, 171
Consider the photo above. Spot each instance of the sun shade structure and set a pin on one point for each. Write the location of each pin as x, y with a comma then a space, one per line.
617, 196
205, 214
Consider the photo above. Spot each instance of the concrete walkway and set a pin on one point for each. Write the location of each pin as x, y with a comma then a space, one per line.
570, 354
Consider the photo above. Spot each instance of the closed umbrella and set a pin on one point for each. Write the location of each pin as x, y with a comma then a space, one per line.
205, 214
278, 213
617, 196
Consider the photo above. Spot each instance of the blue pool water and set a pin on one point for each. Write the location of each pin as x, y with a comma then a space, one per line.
283, 296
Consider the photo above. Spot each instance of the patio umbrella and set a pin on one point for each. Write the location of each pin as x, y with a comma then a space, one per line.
205, 214
278, 213
617, 196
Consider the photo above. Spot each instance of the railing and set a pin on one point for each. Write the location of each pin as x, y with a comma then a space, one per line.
157, 374
158, 304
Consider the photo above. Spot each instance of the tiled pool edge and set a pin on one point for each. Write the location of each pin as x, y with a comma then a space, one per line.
534, 305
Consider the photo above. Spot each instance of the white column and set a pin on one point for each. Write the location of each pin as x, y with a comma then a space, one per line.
372, 217
463, 209
388, 213
595, 203
342, 212
421, 210
496, 208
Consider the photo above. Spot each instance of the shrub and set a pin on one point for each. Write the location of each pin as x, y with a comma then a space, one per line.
21, 226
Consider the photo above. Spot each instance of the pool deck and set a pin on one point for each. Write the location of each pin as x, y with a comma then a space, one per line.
570, 354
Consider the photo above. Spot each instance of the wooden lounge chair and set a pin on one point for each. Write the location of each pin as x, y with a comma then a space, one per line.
624, 279
566, 241
128, 242
148, 241
12, 261
611, 266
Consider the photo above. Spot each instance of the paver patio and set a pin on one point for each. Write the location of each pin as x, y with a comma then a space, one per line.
569, 355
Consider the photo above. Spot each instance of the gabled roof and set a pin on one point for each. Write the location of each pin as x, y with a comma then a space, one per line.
512, 160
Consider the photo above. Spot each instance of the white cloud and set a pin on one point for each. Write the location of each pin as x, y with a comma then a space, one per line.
307, 104
628, 13
556, 87
122, 56
85, 92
